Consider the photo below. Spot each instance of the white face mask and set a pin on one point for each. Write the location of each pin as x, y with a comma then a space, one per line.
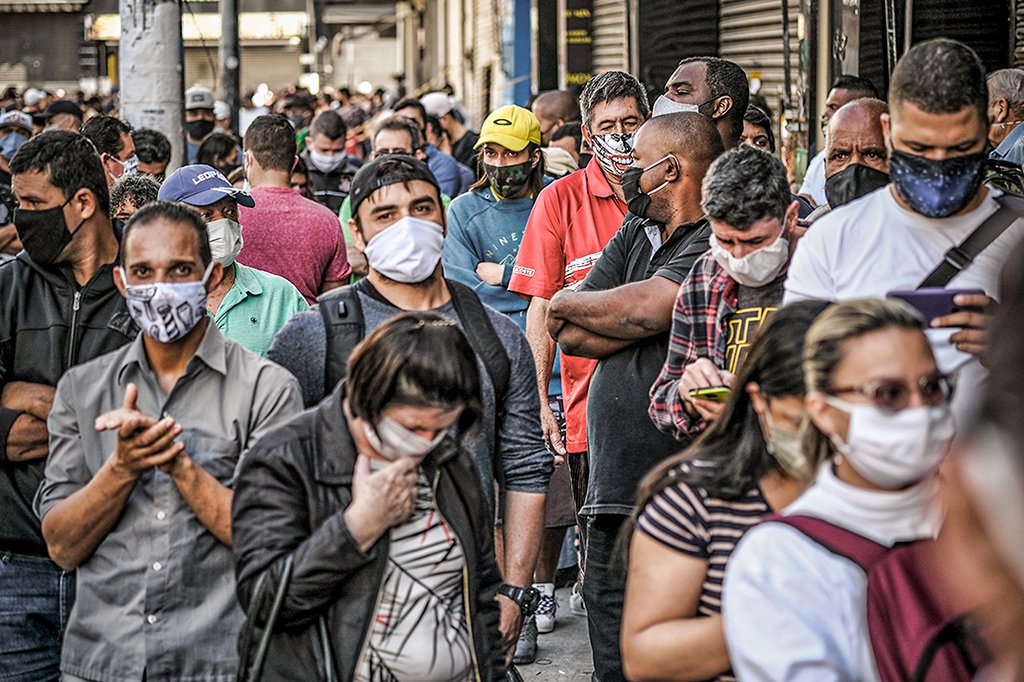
614, 151
408, 251
167, 311
326, 163
663, 105
394, 441
225, 240
895, 449
785, 447
757, 268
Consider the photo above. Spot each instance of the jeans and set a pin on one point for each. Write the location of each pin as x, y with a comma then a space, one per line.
36, 596
603, 593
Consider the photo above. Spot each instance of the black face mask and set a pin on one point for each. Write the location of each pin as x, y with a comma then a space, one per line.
637, 200
44, 234
853, 182
197, 130
118, 226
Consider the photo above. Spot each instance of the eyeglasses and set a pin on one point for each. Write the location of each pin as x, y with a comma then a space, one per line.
895, 394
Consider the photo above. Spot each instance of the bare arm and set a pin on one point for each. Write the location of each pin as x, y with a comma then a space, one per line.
584, 343
521, 532
543, 348
357, 260
632, 311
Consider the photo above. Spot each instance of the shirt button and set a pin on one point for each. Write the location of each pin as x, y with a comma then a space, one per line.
157, 566
161, 515
150, 619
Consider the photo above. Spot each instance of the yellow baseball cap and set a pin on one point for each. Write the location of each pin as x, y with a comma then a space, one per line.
512, 127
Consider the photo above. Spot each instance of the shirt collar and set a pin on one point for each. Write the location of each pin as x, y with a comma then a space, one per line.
246, 280
1009, 142
212, 351
597, 183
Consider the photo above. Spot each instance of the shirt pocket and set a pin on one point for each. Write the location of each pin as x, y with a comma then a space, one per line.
218, 456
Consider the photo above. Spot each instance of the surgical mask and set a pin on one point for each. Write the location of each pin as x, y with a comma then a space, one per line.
894, 449
10, 143
637, 200
853, 182
225, 240
130, 165
408, 251
757, 268
199, 129
785, 447
44, 234
509, 180
167, 311
297, 120
393, 441
614, 151
663, 105
326, 163
937, 189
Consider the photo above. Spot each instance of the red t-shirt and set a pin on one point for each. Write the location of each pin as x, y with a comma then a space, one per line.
571, 222
295, 238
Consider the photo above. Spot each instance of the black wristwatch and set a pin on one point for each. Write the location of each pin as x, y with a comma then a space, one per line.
527, 597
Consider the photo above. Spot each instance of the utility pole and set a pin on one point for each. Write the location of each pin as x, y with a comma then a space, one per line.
151, 61
229, 58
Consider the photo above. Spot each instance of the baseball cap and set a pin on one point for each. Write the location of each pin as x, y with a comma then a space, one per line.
33, 96
62, 106
381, 172
201, 185
512, 127
198, 97
221, 110
16, 118
437, 103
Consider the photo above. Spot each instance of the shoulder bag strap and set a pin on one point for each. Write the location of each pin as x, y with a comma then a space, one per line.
247, 673
845, 543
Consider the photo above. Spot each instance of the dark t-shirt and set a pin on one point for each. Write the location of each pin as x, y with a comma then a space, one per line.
463, 150
624, 443
754, 306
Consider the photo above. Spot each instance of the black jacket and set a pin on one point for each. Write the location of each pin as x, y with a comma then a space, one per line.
47, 325
289, 498
330, 189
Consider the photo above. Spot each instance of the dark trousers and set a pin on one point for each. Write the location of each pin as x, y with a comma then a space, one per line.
36, 596
603, 593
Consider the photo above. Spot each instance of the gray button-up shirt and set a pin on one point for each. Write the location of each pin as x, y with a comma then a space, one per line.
158, 595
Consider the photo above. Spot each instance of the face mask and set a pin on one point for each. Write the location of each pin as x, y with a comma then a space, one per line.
394, 441
225, 240
785, 447
326, 163
895, 449
297, 120
130, 165
663, 105
197, 130
44, 234
408, 251
853, 182
637, 200
757, 268
614, 152
167, 311
509, 181
937, 189
10, 144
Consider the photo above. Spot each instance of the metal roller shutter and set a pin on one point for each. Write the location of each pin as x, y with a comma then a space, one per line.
751, 36
276, 65
609, 34
672, 32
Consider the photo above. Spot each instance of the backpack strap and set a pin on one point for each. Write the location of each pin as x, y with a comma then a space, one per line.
485, 342
840, 541
1011, 207
343, 323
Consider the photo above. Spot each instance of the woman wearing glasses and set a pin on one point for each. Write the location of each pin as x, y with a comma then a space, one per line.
879, 410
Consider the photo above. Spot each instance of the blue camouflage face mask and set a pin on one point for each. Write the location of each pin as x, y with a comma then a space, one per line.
10, 143
937, 189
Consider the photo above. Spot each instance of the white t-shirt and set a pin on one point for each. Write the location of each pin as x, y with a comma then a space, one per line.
873, 245
796, 611
814, 180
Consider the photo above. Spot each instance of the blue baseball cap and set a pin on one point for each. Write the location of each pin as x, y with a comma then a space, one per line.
201, 185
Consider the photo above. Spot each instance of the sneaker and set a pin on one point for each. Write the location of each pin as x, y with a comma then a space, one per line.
526, 647
576, 603
546, 608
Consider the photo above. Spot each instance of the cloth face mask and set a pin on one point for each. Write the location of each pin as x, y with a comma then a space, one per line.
509, 180
937, 189
757, 268
167, 311
394, 441
637, 200
326, 163
614, 151
44, 234
853, 182
408, 251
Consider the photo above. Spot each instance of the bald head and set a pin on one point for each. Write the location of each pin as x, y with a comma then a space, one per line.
553, 109
687, 135
855, 136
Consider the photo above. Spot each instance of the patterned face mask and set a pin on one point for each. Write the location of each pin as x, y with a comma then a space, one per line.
509, 180
937, 189
167, 311
614, 151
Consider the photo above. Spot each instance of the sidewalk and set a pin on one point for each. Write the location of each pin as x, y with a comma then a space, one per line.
563, 654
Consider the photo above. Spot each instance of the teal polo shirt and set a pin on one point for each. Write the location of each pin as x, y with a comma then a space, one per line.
256, 307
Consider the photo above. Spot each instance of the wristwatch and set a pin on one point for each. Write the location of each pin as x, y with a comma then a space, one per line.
527, 597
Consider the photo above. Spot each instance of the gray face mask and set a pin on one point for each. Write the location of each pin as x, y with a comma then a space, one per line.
785, 447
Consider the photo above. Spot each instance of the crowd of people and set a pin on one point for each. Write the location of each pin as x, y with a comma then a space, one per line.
329, 400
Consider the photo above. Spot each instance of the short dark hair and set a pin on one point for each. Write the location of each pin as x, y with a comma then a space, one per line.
759, 118
855, 85
140, 188
70, 159
271, 139
939, 76
745, 185
403, 123
412, 102
724, 77
151, 146
418, 359
610, 86
329, 124
216, 146
173, 212
573, 129
105, 133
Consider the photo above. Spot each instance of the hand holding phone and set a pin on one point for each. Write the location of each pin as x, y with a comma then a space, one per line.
935, 303
716, 394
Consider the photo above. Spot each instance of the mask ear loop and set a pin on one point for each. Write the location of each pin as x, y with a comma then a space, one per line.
664, 184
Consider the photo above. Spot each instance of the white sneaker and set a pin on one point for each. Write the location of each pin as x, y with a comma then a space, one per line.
546, 608
576, 603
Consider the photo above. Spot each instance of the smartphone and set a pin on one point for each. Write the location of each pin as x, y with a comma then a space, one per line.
932, 303
718, 394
